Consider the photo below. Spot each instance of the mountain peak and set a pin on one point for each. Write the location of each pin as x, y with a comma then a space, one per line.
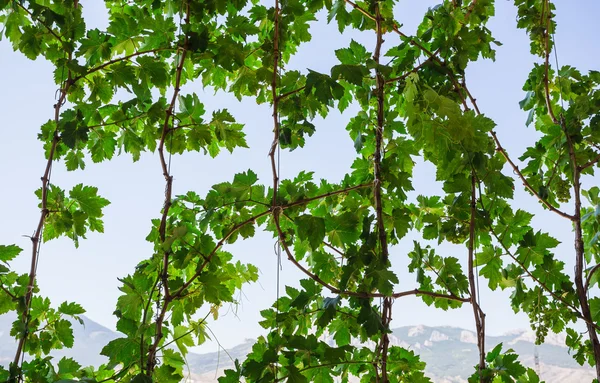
417, 330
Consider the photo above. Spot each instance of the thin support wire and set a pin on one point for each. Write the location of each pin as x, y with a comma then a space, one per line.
170, 153
277, 168
476, 273
477, 266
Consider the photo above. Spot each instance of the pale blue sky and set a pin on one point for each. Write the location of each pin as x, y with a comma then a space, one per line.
88, 275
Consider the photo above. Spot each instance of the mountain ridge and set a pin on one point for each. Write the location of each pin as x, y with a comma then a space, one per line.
449, 352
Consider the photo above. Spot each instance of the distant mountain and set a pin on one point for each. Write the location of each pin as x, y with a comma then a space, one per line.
450, 352
89, 340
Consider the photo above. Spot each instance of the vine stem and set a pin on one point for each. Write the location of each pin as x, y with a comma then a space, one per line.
535, 279
220, 244
589, 277
460, 88
512, 255
576, 218
358, 294
37, 236
477, 312
119, 59
35, 239
470, 10
526, 183
546, 4
324, 195
324, 366
144, 317
579, 255
590, 163
252, 219
133, 118
275, 148
386, 309
7, 292
415, 69
275, 143
290, 93
578, 241
48, 28
203, 320
168, 298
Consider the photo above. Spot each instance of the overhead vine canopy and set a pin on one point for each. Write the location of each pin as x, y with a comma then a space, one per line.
121, 92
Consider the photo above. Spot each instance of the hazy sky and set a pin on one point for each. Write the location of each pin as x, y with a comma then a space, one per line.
88, 275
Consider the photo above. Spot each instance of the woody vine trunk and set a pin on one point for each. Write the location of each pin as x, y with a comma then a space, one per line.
576, 218
37, 236
386, 310
477, 312
164, 276
579, 255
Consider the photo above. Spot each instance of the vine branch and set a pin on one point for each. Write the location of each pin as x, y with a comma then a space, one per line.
470, 10
152, 351
462, 87
477, 312
220, 244
589, 277
275, 143
578, 242
119, 59
589, 163
386, 310
7, 292
365, 295
323, 366
291, 92
324, 195
415, 69
557, 297
48, 28
37, 236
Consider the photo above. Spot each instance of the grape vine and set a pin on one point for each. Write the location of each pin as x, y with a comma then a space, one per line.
123, 91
